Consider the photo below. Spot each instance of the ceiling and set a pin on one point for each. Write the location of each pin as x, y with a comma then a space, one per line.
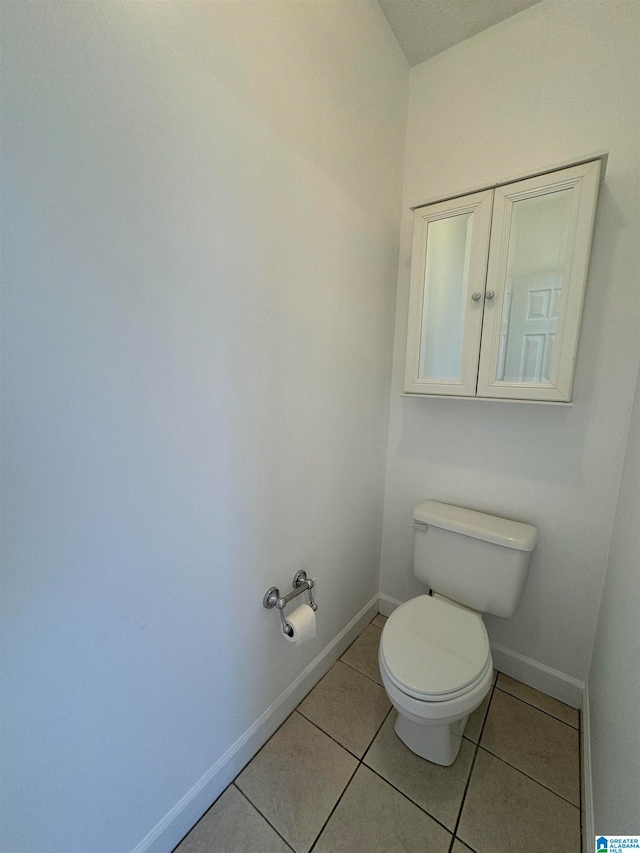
427, 27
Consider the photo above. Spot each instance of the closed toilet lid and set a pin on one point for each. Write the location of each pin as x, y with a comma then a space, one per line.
432, 648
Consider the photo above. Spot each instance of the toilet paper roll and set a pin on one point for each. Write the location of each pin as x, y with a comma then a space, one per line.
303, 622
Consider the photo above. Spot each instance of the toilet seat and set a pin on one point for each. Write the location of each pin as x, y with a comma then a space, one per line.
434, 651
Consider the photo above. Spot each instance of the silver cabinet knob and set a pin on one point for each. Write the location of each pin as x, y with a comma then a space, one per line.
476, 296
489, 294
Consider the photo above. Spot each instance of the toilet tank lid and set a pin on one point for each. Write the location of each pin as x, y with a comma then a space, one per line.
479, 525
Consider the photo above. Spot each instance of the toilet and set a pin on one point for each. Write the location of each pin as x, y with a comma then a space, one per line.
434, 655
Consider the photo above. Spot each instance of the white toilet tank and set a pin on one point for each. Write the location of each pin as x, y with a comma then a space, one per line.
476, 559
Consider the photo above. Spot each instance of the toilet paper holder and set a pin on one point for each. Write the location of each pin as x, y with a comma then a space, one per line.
272, 598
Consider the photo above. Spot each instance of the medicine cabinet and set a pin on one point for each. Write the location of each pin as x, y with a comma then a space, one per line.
497, 287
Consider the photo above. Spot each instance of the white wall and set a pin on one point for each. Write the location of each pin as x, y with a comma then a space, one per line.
201, 205
556, 82
614, 677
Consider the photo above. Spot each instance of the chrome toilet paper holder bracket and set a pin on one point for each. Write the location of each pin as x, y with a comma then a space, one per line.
272, 598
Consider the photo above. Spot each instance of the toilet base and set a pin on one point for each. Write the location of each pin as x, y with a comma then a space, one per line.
439, 744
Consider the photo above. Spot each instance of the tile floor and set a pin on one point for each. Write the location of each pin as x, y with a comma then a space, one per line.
335, 777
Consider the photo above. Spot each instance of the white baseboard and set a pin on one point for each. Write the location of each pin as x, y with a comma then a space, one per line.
588, 822
179, 820
550, 681
386, 604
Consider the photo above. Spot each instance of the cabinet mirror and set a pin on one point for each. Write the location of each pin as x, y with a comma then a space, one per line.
497, 285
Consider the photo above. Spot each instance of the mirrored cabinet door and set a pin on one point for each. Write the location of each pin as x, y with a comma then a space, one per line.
540, 239
450, 248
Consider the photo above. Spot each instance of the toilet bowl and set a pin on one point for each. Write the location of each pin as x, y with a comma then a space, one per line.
434, 653
436, 667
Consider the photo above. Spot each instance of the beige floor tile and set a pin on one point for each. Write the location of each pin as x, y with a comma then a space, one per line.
539, 745
475, 722
296, 779
232, 824
348, 706
459, 847
506, 811
438, 790
372, 817
552, 706
363, 654
379, 620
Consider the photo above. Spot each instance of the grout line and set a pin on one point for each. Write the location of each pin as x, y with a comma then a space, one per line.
306, 718
486, 714
355, 669
368, 625
360, 761
379, 729
253, 806
342, 746
526, 775
407, 797
317, 725
233, 781
202, 817
542, 710
359, 671
240, 772
466, 844
346, 749
338, 801
542, 785
464, 797
246, 796
346, 663
473, 764
331, 737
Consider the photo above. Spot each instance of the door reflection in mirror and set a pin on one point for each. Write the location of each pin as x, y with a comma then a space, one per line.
538, 240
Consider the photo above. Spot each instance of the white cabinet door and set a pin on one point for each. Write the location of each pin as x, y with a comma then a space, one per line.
448, 270
538, 258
